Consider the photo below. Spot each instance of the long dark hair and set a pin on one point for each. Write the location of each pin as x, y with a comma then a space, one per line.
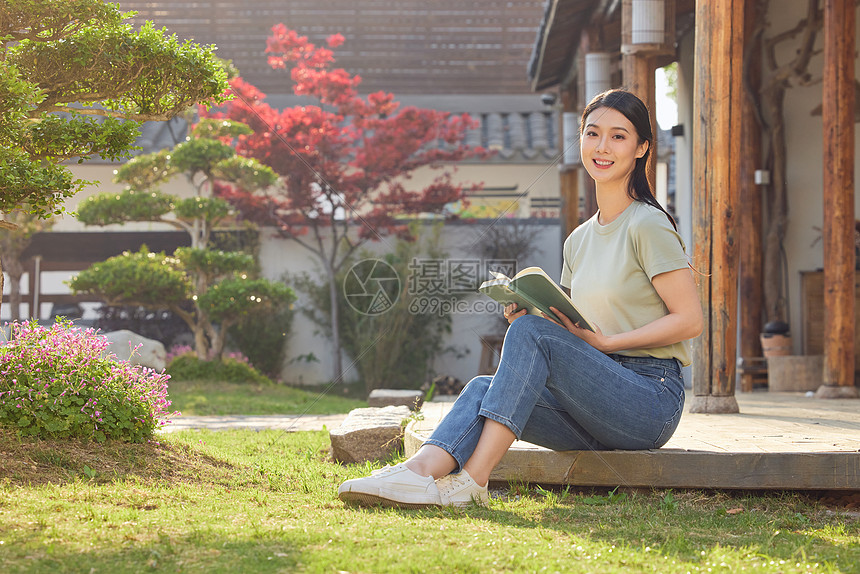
635, 110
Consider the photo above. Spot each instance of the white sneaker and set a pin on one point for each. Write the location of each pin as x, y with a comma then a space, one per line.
461, 490
391, 486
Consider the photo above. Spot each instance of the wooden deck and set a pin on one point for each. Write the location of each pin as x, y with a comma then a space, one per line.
782, 441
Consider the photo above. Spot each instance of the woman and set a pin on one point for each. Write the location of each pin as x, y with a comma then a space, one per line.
558, 385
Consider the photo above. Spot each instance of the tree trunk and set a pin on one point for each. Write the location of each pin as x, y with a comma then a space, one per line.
774, 294
199, 340
14, 270
335, 323
196, 328
14, 294
218, 338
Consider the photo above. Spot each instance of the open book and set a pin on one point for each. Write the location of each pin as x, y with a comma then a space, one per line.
533, 289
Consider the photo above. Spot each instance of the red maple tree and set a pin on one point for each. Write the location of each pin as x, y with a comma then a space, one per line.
346, 162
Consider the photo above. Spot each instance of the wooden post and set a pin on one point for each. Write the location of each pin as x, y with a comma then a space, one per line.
569, 188
716, 132
568, 174
638, 71
750, 216
838, 120
589, 194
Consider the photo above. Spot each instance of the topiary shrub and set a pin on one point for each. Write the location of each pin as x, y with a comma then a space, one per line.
188, 367
56, 383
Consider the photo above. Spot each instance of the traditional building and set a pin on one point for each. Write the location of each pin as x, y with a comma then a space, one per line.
757, 132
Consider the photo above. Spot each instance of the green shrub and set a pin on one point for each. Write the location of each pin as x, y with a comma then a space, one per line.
56, 383
188, 367
263, 339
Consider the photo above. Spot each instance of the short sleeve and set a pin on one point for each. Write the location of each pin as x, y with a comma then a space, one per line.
659, 248
566, 270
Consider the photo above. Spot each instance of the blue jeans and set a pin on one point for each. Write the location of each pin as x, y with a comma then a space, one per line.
555, 390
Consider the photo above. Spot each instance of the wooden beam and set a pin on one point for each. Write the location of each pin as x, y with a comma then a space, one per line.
781, 441
716, 131
838, 161
750, 217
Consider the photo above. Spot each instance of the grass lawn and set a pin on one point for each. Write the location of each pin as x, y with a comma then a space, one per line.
222, 398
244, 501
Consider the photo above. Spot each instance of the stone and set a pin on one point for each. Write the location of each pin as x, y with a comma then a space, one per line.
396, 397
369, 434
149, 352
836, 392
707, 404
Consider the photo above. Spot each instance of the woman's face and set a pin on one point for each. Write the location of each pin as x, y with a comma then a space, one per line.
610, 146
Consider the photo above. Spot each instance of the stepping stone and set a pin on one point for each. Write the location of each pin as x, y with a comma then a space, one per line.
396, 397
369, 434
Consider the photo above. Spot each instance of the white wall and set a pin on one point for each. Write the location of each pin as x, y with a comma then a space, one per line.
280, 256
684, 143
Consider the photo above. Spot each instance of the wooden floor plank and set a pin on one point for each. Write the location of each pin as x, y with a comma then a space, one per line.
777, 441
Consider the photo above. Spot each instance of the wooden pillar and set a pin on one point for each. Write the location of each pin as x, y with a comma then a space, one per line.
569, 173
750, 217
838, 120
569, 188
716, 135
638, 71
589, 194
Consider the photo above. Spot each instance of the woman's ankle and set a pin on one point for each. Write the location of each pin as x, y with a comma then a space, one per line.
417, 467
480, 478
432, 461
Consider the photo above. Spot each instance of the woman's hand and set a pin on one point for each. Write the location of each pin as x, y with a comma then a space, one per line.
511, 312
594, 338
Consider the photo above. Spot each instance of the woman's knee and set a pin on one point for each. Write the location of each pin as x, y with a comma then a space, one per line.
525, 326
477, 386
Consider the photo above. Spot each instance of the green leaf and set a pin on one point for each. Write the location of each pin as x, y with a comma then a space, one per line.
200, 155
145, 172
59, 56
238, 297
130, 205
248, 174
141, 278
208, 209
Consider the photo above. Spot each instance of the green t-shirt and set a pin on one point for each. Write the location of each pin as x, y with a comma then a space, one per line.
609, 270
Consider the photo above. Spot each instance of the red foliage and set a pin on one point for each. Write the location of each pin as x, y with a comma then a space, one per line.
348, 159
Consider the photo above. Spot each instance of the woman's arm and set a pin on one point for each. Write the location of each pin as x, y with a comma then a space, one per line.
684, 321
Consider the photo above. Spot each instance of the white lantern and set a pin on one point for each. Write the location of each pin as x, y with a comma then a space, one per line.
598, 72
570, 137
648, 20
